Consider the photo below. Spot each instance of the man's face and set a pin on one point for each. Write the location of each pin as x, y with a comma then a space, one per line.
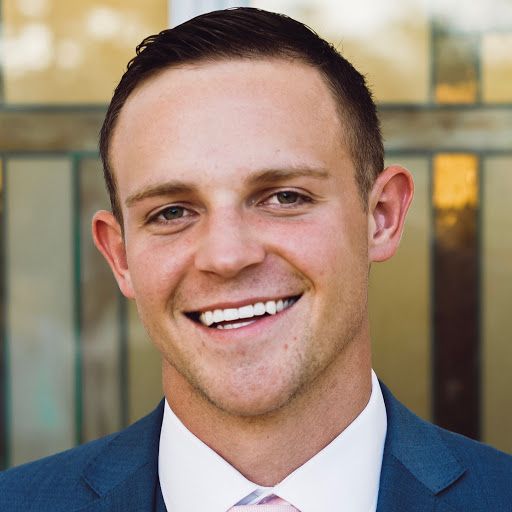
239, 197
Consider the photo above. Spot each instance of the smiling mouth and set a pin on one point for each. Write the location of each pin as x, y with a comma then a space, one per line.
235, 318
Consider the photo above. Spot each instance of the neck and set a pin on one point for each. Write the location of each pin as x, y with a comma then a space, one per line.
267, 449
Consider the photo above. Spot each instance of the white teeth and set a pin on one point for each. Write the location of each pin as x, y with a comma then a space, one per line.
246, 312
233, 326
206, 318
231, 314
270, 307
259, 308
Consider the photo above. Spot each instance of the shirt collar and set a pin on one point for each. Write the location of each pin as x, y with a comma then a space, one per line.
346, 471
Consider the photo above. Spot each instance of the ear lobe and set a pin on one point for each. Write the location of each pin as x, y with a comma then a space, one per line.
389, 201
108, 238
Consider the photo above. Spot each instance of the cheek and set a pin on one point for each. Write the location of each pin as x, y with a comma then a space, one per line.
323, 247
156, 266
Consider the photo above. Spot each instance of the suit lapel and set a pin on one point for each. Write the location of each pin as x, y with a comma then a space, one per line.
124, 475
159, 500
417, 465
400, 490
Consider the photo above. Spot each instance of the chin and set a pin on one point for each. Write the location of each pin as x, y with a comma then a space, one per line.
261, 402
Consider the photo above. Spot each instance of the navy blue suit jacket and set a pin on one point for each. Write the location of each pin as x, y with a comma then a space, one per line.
424, 469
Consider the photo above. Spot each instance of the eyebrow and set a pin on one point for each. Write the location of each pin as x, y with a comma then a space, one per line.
275, 175
168, 188
264, 177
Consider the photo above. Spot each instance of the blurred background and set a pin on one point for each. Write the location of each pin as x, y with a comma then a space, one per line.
75, 363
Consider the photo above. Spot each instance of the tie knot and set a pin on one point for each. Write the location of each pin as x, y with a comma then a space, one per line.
268, 504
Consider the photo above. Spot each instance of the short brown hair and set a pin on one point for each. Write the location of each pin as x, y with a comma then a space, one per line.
250, 33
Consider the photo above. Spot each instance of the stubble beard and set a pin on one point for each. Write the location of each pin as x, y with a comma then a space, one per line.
309, 370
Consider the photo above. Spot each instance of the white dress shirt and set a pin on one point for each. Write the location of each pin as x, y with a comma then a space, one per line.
342, 476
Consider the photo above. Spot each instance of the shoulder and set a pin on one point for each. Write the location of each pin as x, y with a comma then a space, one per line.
487, 469
457, 470
51, 479
72, 479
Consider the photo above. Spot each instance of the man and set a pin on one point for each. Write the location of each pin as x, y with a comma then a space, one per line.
244, 163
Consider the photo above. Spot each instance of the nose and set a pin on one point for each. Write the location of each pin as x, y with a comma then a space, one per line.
228, 246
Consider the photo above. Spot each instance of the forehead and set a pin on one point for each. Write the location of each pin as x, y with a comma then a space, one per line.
229, 114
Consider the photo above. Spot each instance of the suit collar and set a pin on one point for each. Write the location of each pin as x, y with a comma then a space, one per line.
417, 464
126, 470
419, 447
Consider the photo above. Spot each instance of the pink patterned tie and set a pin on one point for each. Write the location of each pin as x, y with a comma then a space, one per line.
269, 504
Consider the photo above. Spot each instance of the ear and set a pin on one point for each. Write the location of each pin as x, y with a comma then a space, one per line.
388, 203
108, 238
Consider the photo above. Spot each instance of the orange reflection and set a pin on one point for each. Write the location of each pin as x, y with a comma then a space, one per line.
455, 201
464, 92
455, 181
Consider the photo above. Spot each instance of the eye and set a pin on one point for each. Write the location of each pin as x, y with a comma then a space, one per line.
172, 212
287, 199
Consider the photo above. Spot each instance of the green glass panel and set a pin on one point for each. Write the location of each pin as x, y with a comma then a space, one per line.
456, 69
496, 300
40, 307
400, 303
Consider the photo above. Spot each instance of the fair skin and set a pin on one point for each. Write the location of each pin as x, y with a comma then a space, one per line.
236, 187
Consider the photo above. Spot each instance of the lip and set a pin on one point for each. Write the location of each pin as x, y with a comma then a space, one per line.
262, 323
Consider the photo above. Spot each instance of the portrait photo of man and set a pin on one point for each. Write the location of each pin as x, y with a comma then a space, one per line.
244, 162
